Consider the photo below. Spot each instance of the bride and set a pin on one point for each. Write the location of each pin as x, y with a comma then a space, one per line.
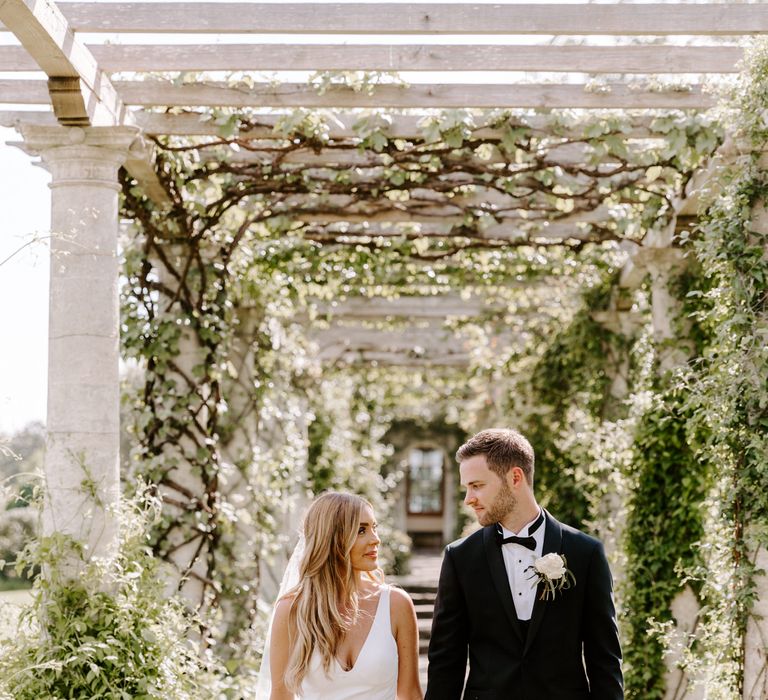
341, 633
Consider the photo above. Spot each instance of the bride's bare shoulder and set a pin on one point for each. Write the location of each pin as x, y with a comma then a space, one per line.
283, 607
401, 602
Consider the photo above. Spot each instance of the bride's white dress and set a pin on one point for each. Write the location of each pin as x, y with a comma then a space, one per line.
374, 675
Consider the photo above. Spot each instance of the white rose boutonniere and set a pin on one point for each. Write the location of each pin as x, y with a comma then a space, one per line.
552, 570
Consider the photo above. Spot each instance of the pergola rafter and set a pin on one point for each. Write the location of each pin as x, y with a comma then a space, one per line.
400, 58
382, 18
78, 89
151, 93
65, 55
486, 200
57, 39
262, 126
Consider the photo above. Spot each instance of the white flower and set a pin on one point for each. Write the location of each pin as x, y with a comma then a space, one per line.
551, 566
552, 574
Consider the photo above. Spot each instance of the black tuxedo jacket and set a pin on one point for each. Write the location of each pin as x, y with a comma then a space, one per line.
571, 650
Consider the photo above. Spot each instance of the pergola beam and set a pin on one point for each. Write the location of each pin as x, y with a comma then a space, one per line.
339, 127
459, 18
80, 92
545, 232
437, 307
417, 57
411, 345
435, 206
545, 96
567, 155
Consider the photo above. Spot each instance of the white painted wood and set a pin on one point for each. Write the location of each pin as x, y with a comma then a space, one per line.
512, 231
340, 126
449, 96
393, 358
351, 342
433, 206
140, 165
418, 343
46, 35
367, 163
545, 96
13, 119
569, 59
619, 19
426, 307
24, 92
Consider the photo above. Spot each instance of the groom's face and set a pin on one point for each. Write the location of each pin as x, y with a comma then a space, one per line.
487, 493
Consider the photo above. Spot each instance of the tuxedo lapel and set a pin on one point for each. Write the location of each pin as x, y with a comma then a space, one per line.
499, 577
553, 537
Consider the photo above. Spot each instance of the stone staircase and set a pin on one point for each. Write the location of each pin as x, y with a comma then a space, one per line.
423, 597
421, 585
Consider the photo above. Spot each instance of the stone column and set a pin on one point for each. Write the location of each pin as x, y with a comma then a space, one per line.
663, 263
756, 639
82, 479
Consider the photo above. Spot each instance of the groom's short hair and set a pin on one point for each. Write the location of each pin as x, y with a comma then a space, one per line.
502, 449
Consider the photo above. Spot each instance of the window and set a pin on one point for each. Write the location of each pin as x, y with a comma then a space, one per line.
425, 481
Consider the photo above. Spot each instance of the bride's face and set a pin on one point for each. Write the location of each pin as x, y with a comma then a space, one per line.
365, 551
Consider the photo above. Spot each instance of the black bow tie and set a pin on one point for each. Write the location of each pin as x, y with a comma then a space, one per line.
528, 541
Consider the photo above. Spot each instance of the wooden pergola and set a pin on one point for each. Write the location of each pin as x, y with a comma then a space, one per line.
102, 87
90, 79
109, 67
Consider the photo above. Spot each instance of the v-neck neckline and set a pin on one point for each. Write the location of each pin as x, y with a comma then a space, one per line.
367, 637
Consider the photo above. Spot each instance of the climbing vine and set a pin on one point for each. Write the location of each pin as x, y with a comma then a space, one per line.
705, 440
270, 223
727, 393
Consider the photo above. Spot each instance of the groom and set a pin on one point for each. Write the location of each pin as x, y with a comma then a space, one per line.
531, 635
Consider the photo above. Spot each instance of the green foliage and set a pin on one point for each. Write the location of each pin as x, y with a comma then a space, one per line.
347, 452
18, 526
21, 463
232, 415
575, 369
710, 426
727, 388
669, 484
103, 628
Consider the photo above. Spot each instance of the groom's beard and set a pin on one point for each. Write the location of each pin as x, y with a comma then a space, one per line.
504, 503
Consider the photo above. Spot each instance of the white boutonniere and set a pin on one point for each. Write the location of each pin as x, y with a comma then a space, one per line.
552, 570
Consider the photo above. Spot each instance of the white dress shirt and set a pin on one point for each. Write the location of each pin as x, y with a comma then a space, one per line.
516, 560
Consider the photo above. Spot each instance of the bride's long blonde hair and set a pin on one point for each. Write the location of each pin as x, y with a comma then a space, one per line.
325, 604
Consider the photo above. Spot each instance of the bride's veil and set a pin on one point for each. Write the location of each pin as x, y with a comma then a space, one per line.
289, 581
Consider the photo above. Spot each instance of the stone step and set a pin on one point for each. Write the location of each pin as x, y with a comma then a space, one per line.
425, 629
420, 588
424, 611
422, 598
